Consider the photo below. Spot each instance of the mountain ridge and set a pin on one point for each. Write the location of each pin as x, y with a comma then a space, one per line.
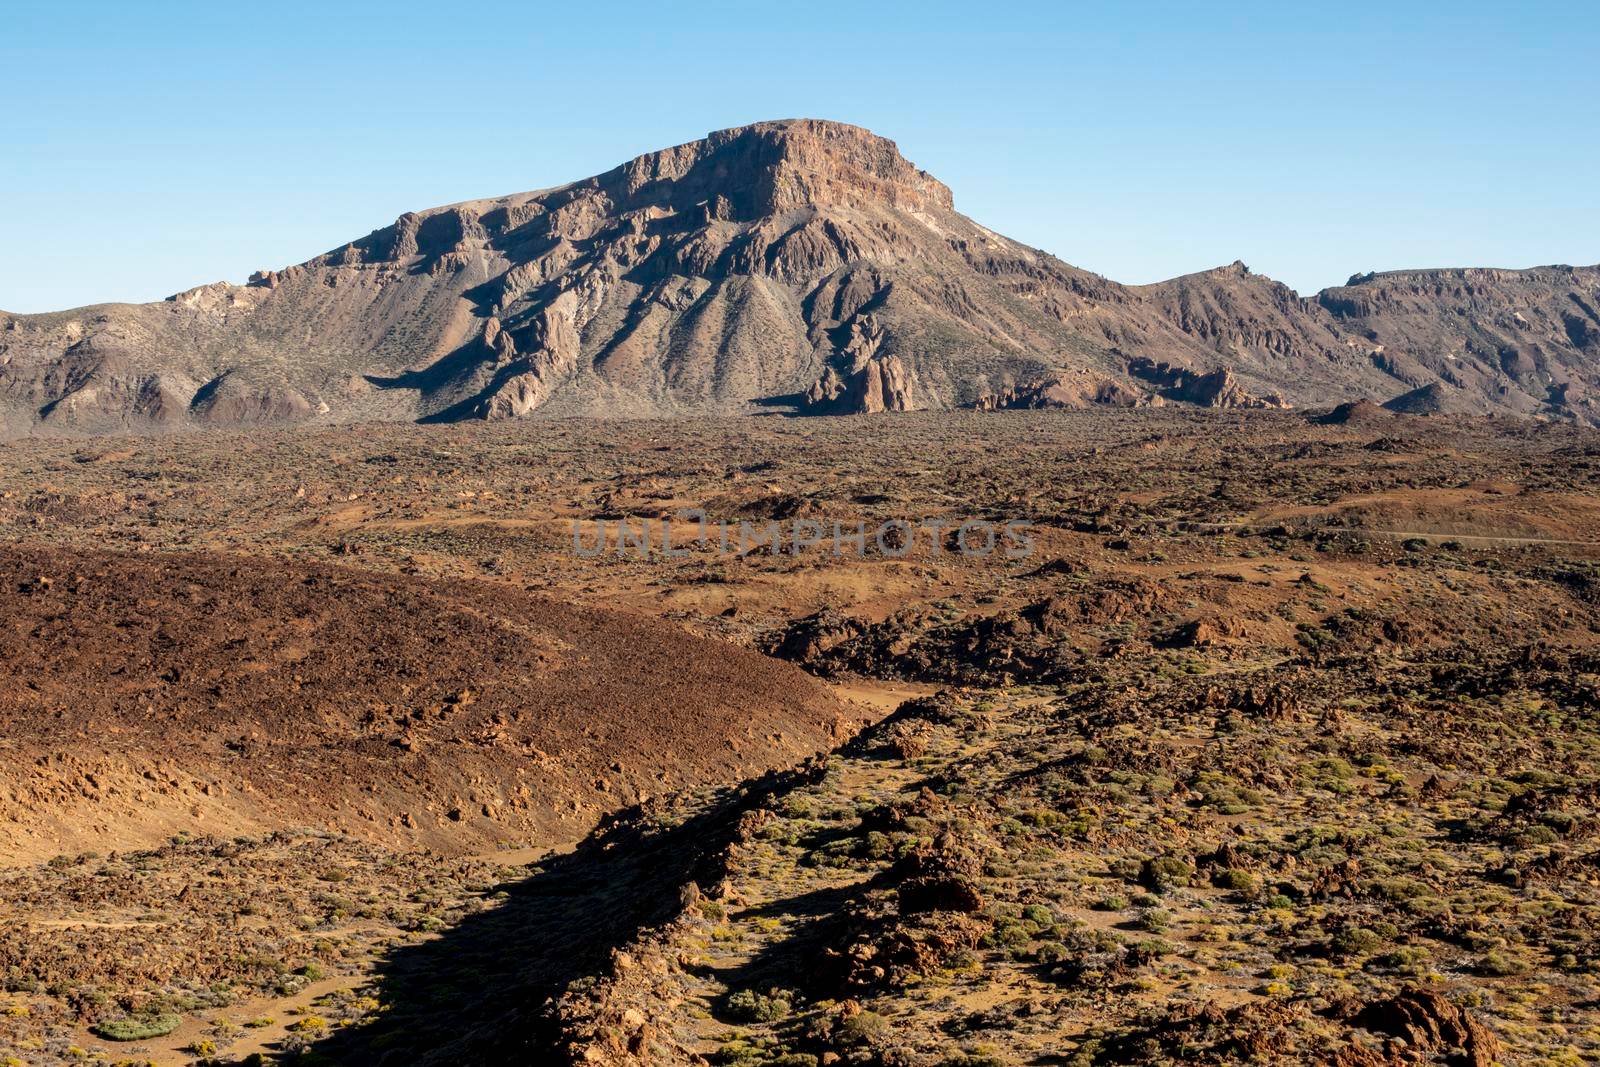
798, 265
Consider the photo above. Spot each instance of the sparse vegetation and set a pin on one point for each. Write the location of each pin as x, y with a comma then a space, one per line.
1263, 778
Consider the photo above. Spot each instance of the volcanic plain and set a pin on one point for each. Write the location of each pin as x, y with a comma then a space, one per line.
333, 745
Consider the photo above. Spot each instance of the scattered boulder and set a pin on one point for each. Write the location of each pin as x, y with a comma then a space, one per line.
1428, 1021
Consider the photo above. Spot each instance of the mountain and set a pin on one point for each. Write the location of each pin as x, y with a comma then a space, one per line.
1518, 341
802, 266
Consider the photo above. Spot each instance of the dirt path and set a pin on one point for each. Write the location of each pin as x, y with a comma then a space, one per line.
880, 697
1430, 535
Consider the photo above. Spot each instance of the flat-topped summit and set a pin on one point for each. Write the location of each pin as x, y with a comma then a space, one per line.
784, 165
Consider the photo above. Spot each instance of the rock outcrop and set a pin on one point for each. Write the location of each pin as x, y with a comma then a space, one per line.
881, 384
1209, 389
526, 380
1428, 1022
1061, 392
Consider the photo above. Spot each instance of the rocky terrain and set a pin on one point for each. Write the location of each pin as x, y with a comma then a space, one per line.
407, 712
799, 266
324, 746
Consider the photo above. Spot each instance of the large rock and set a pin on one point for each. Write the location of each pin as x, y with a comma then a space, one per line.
1060, 392
881, 384
1430, 1022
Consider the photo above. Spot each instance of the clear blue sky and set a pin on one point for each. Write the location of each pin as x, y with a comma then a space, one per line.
145, 148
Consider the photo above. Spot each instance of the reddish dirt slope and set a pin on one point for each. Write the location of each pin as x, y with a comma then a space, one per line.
145, 695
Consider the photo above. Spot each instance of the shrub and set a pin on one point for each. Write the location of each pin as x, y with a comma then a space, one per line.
1153, 920
1225, 796
1008, 932
1051, 953
739, 1053
1356, 941
877, 845
748, 1006
1240, 881
972, 1059
1165, 872
1410, 959
136, 1028
1500, 965
864, 1027
1331, 773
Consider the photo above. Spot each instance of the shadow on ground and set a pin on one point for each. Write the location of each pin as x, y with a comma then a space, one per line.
817, 922
480, 992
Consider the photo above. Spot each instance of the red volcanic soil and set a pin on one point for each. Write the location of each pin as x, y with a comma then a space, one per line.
146, 695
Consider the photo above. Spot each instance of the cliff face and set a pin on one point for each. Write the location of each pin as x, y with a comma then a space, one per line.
799, 264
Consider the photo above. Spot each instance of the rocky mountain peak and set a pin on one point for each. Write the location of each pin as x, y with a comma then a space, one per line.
770, 168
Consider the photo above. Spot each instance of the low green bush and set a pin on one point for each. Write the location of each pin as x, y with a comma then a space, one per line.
136, 1027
